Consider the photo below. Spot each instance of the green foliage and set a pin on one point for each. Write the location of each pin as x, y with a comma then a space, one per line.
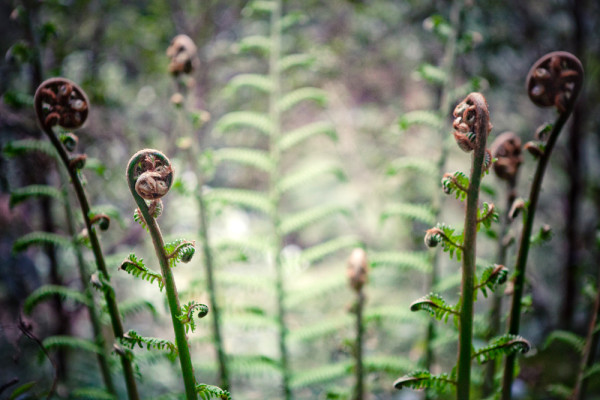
403, 260
457, 183
501, 346
135, 305
132, 339
46, 292
388, 364
571, 339
318, 330
443, 234
416, 212
560, 391
308, 173
208, 392
320, 375
491, 277
255, 158
293, 138
424, 380
245, 119
71, 342
136, 267
435, 305
420, 117
302, 219
418, 165
322, 250
92, 393
179, 250
432, 74
291, 99
244, 198
21, 390
20, 147
187, 314
259, 82
486, 215
40, 239
22, 194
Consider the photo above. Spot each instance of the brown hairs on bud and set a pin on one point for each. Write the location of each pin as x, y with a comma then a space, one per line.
183, 54
465, 119
358, 269
507, 150
59, 101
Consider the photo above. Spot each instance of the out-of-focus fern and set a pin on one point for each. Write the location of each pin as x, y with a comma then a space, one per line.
22, 194
91, 393
322, 328
71, 342
420, 117
20, 147
571, 339
320, 375
404, 260
417, 212
254, 158
41, 239
243, 198
46, 292
322, 250
414, 164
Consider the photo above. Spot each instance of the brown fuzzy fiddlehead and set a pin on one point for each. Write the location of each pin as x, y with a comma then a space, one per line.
58, 101
466, 122
150, 173
358, 269
183, 54
555, 80
507, 150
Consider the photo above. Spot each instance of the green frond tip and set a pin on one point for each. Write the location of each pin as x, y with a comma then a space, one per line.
321, 375
32, 191
187, 314
259, 44
444, 235
500, 346
71, 342
254, 158
292, 138
136, 267
457, 183
180, 250
132, 339
571, 339
419, 380
415, 212
435, 305
46, 292
40, 239
297, 96
491, 277
420, 117
245, 119
208, 392
296, 61
261, 83
20, 147
486, 215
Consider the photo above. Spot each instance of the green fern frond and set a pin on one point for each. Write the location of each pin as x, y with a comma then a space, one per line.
296, 61
244, 198
46, 292
418, 165
322, 250
575, 341
591, 371
420, 117
19, 391
309, 172
71, 342
292, 19
316, 290
457, 183
260, 6
388, 364
254, 366
500, 346
237, 282
491, 277
321, 375
298, 135
179, 250
208, 392
20, 147
32, 191
136, 267
432, 74
187, 314
443, 234
415, 212
41, 239
259, 82
246, 247
256, 43
132, 339
324, 327
435, 305
389, 314
486, 215
254, 158
135, 305
300, 220
424, 380
560, 391
403, 260
91, 393
111, 211
245, 119
297, 96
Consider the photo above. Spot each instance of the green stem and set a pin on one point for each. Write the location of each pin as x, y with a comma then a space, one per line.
111, 302
359, 390
181, 341
469, 250
519, 279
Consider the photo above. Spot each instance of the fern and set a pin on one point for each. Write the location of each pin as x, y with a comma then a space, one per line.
571, 339
46, 292
179, 250
457, 183
136, 305
416, 212
254, 158
71, 342
296, 61
256, 43
322, 250
388, 314
316, 291
308, 173
304, 218
20, 147
435, 305
388, 364
292, 138
136, 267
244, 198
261, 83
424, 380
420, 117
404, 260
491, 277
208, 392
321, 375
560, 391
187, 314
444, 235
132, 339
503, 345
297, 96
40, 239
486, 215
245, 119
432, 74
22, 194
418, 165
591, 371
24, 389
250, 321
328, 326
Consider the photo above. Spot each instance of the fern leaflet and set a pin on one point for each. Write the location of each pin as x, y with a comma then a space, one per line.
500, 346
298, 135
259, 82
20, 147
256, 43
187, 314
180, 250
92, 393
245, 119
416, 212
295, 222
40, 239
244, 198
254, 158
303, 94
45, 292
296, 61
131, 339
575, 341
71, 342
22, 194
320, 375
308, 173
322, 250
136, 267
418, 165
424, 380
420, 117
208, 392
404, 260
491, 277
435, 305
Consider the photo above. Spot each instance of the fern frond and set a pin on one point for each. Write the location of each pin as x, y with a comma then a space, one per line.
435, 305
457, 183
256, 43
298, 135
486, 215
111, 211
424, 380
388, 364
244, 198
591, 371
261, 6
245, 119
571, 339
560, 391
208, 392
135, 305
432, 74
325, 327
308, 173
187, 314
316, 290
420, 117
403, 260
132, 339
414, 164
297, 96
491, 277
45, 292
389, 314
254, 158
300, 220
292, 19
415, 212
247, 246
136, 267
41, 239
320, 375
19, 391
71, 342
32, 191
444, 235
20, 147
254, 365
261, 83
322, 250
180, 250
91, 393
500, 346
296, 61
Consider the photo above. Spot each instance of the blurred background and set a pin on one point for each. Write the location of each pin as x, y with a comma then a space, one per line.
377, 62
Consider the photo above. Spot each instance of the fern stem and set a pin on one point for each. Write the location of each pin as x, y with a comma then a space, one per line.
181, 341
111, 302
359, 390
469, 250
521, 263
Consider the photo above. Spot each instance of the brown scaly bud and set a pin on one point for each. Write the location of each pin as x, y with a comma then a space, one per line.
517, 206
534, 149
464, 124
358, 269
555, 80
151, 173
183, 54
507, 151
59, 101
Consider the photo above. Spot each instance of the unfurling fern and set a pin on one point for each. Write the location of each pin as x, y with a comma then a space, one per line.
131, 339
209, 392
435, 305
46, 292
503, 345
187, 314
419, 380
136, 267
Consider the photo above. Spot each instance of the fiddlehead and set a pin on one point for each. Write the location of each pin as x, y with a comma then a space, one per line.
183, 54
58, 101
507, 150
